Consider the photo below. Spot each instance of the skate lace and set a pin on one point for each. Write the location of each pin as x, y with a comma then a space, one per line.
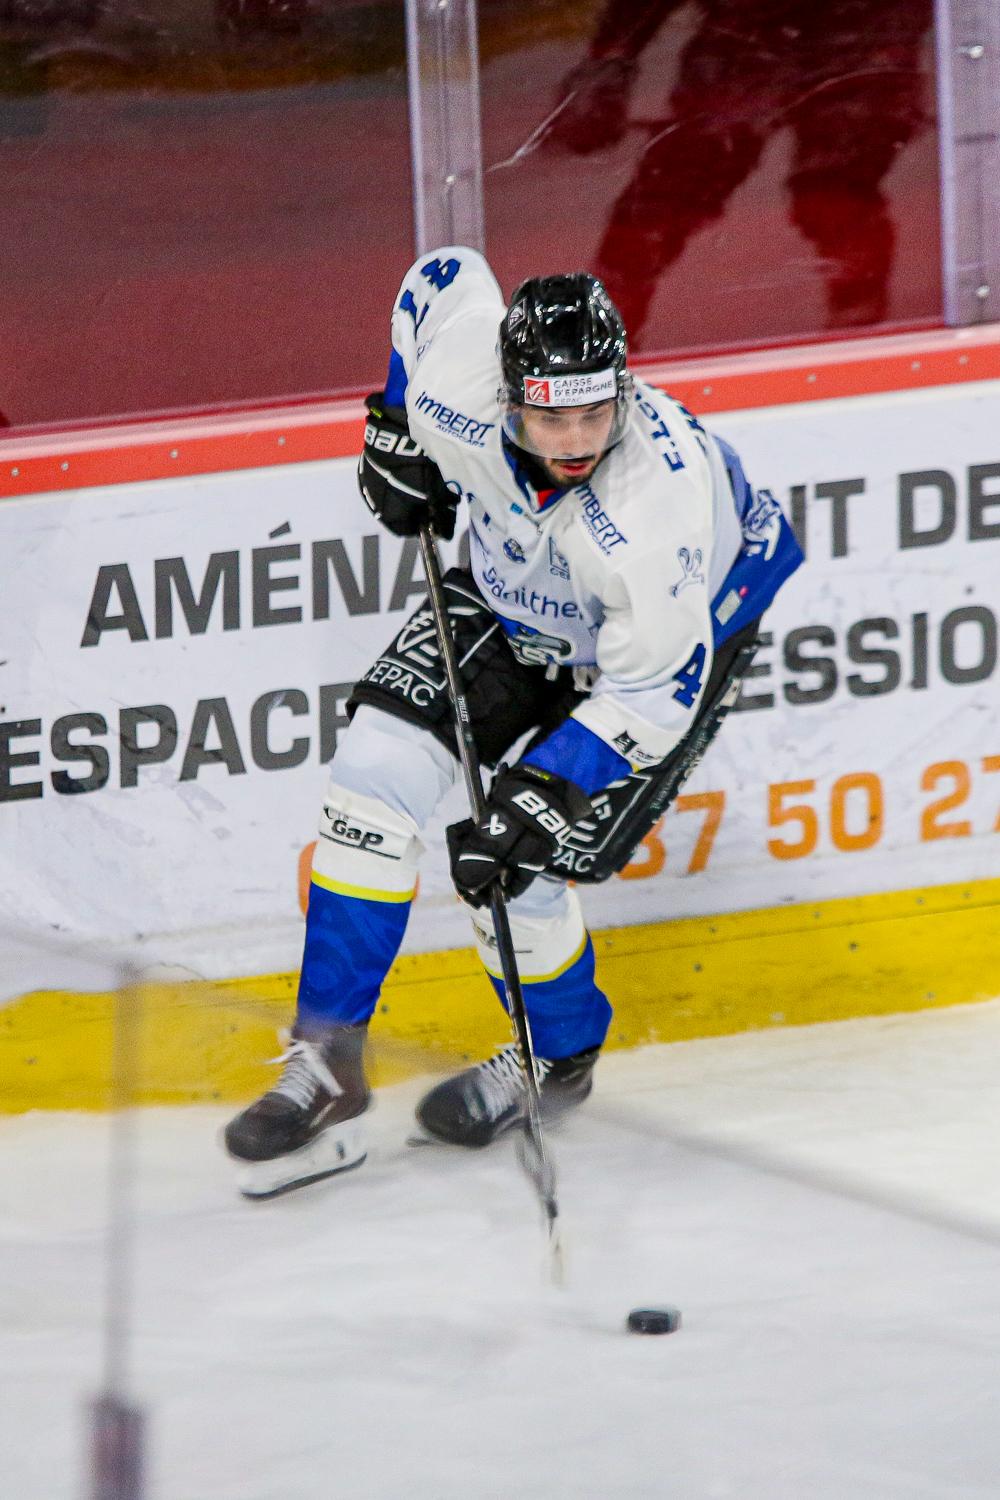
304, 1074
501, 1081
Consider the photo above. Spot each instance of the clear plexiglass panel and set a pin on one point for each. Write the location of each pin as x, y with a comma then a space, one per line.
204, 201
738, 171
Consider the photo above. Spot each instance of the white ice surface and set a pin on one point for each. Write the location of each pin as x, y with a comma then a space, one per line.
822, 1203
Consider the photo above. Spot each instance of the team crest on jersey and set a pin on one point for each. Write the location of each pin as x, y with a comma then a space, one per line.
513, 550
534, 649
558, 566
691, 564
762, 525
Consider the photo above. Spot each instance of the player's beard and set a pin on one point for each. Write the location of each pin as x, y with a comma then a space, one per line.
582, 469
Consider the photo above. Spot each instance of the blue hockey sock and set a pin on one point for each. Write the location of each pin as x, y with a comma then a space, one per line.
351, 942
567, 1012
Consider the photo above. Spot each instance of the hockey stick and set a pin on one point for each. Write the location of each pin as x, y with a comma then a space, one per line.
533, 1154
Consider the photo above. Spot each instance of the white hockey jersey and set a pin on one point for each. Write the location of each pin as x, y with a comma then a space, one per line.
617, 573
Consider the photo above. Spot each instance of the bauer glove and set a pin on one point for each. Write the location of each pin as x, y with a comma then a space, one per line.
529, 813
401, 486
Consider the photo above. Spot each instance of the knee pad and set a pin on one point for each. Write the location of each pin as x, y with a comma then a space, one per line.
365, 849
548, 933
399, 764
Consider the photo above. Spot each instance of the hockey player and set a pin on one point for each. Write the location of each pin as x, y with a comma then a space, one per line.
619, 565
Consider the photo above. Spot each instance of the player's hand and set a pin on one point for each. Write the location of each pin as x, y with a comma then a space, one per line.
401, 486
529, 813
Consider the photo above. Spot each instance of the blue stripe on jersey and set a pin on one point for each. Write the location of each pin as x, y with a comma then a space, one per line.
520, 478
574, 751
511, 627
754, 581
537, 499
568, 1014
395, 381
737, 478
350, 945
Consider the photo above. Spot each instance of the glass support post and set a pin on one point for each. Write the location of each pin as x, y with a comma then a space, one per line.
968, 72
442, 52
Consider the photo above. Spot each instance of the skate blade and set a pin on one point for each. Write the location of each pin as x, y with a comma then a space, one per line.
335, 1150
419, 1138
415, 1138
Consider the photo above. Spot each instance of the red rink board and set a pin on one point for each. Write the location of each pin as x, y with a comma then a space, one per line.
297, 433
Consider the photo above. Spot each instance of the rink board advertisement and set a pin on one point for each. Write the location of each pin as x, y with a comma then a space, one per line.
177, 656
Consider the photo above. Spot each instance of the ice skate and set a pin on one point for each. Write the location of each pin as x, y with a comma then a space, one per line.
311, 1124
475, 1107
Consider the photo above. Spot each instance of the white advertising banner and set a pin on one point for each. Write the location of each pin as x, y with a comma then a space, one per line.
175, 659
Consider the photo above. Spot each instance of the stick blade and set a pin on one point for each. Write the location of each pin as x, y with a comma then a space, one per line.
117, 1449
538, 1168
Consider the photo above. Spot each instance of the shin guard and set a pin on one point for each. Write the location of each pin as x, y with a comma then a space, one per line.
363, 881
567, 1013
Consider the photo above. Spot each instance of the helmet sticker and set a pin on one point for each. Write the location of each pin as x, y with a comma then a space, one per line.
516, 315
537, 392
571, 390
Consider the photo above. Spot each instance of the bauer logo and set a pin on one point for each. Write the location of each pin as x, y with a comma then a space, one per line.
388, 442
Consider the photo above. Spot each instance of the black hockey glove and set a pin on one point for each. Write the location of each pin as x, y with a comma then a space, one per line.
401, 486
527, 816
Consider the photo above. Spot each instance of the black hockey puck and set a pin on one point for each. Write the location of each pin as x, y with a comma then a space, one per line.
654, 1320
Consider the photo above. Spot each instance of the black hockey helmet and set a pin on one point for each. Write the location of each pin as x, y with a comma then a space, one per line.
562, 343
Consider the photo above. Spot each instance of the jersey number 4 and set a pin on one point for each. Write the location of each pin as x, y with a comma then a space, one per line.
690, 676
439, 276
